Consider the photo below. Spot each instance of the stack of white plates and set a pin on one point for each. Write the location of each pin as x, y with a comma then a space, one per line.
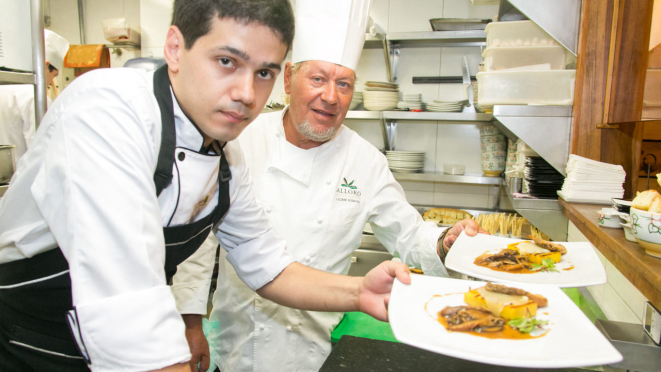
441, 106
411, 101
406, 161
356, 100
380, 96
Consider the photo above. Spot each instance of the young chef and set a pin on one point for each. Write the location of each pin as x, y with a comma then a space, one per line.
17, 118
319, 182
128, 173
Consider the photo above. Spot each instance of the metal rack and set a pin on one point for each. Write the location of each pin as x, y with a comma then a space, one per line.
38, 78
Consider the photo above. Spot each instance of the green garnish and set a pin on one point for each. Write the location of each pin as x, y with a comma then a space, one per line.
526, 325
547, 265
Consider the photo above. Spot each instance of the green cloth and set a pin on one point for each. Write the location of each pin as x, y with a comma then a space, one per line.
592, 311
362, 325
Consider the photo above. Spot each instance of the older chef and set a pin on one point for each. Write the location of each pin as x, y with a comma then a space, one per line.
128, 173
320, 183
17, 120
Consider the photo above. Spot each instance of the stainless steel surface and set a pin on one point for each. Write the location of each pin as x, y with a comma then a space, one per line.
559, 18
81, 21
437, 38
639, 351
532, 111
374, 41
7, 77
453, 117
458, 24
393, 52
372, 115
7, 163
3, 190
465, 74
507, 12
436, 116
549, 136
652, 322
366, 260
474, 179
390, 128
38, 60
370, 242
545, 214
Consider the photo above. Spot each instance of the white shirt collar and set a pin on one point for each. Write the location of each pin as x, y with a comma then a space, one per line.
188, 135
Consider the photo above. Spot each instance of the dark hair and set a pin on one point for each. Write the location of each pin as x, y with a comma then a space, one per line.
51, 68
193, 17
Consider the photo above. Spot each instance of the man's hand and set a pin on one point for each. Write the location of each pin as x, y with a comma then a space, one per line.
374, 293
470, 226
199, 347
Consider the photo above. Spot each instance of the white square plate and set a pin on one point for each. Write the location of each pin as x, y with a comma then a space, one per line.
587, 267
571, 341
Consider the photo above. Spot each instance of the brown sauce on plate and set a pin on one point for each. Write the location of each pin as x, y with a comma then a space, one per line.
508, 332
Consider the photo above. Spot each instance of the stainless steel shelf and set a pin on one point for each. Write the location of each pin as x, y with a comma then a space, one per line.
374, 41
436, 116
546, 129
545, 214
7, 77
365, 115
419, 116
437, 38
474, 179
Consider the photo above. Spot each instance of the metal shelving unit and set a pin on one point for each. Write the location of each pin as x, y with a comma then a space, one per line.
419, 116
7, 77
437, 38
472, 179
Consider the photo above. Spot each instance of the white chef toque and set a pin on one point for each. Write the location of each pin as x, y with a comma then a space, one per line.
330, 30
56, 48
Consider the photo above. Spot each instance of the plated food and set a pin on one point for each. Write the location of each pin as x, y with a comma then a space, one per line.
496, 311
524, 257
578, 267
570, 339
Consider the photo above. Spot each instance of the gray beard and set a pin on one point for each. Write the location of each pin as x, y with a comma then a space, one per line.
307, 131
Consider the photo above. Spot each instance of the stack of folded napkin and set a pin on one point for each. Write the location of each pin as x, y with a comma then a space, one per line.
590, 181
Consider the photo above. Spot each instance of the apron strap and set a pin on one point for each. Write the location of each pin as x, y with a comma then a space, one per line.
163, 174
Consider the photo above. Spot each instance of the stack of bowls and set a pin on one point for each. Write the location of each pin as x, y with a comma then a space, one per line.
356, 100
411, 101
494, 150
406, 161
380, 96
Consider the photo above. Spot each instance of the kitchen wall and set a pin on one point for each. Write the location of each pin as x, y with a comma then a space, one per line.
618, 298
443, 142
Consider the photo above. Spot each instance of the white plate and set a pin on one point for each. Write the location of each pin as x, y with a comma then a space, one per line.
588, 269
572, 340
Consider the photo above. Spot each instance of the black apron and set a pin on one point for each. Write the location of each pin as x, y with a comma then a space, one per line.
34, 332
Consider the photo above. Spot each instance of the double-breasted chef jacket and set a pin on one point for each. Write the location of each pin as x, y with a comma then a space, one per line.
319, 201
87, 186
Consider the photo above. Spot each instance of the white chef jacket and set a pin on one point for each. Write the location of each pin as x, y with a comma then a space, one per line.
87, 185
17, 120
318, 200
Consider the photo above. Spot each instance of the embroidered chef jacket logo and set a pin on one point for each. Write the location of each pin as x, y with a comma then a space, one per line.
347, 192
349, 185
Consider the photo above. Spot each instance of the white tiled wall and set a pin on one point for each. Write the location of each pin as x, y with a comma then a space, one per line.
618, 298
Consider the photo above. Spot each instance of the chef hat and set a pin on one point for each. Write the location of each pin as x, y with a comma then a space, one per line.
330, 30
56, 48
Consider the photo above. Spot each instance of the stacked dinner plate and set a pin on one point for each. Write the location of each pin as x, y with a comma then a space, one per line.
379, 96
443, 106
411, 101
541, 179
405, 161
356, 100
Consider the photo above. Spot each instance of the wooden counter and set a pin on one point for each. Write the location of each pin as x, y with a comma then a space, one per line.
642, 270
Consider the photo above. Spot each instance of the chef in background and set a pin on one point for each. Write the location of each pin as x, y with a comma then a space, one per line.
319, 182
127, 175
17, 119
